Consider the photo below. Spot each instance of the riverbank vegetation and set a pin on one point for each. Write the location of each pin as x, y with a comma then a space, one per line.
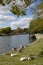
9, 31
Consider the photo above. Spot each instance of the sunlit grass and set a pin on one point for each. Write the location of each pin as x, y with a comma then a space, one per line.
35, 48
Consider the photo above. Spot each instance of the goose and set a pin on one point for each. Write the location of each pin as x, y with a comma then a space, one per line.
13, 54
23, 58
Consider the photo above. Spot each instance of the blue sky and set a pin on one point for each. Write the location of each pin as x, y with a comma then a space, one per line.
9, 19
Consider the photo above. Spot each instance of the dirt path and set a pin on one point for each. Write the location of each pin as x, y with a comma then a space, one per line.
38, 36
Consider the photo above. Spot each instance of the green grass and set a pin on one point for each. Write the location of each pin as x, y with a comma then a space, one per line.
35, 48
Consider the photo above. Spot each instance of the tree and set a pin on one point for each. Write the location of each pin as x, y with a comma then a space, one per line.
36, 25
18, 30
1, 2
40, 8
2, 31
17, 8
6, 30
26, 30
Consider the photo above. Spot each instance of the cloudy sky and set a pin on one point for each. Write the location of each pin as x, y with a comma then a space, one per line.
9, 19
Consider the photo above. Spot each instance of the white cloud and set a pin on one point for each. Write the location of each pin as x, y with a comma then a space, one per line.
5, 17
1, 22
6, 10
18, 2
23, 22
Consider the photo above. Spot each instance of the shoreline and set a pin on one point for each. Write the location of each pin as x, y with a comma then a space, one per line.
17, 48
5, 53
14, 34
37, 39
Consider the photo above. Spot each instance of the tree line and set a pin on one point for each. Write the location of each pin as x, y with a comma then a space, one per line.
6, 30
9, 31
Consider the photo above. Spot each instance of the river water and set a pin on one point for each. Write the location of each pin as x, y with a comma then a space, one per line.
9, 42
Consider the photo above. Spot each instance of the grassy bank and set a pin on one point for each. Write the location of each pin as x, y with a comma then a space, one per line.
36, 48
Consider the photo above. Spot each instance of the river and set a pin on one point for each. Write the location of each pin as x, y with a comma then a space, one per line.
9, 42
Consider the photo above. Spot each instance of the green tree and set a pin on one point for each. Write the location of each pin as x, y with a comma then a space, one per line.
6, 30
36, 25
2, 3
26, 30
18, 30
2, 31
40, 8
17, 9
